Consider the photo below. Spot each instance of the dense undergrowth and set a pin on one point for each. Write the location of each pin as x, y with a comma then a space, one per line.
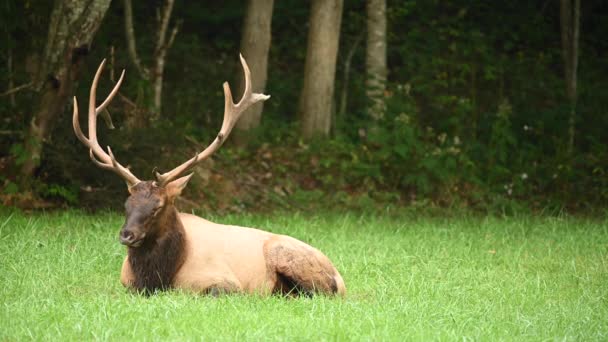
476, 116
281, 172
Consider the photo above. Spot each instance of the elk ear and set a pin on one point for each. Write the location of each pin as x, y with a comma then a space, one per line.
175, 187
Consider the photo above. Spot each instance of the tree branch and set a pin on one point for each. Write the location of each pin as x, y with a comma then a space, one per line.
16, 89
11, 82
173, 34
346, 77
575, 39
164, 24
131, 44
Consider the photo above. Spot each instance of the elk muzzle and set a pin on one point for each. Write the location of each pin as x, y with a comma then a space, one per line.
131, 237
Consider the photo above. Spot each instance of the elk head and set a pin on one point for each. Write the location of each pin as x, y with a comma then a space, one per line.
149, 208
150, 211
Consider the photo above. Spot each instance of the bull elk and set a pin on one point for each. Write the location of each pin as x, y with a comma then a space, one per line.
167, 249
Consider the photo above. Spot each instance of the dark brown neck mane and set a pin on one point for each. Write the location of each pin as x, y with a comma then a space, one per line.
158, 259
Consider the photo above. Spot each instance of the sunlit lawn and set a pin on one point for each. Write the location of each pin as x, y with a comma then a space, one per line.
408, 277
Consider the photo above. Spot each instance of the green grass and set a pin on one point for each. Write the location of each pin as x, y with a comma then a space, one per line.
408, 277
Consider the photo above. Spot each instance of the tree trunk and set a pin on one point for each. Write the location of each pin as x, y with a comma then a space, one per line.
11, 83
346, 77
160, 53
319, 72
163, 43
72, 27
376, 57
131, 42
255, 43
570, 27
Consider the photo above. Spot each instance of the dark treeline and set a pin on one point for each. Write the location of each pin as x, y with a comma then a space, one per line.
481, 104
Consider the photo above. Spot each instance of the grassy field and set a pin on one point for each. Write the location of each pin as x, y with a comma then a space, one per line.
408, 277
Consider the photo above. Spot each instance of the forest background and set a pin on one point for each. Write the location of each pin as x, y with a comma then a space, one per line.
483, 105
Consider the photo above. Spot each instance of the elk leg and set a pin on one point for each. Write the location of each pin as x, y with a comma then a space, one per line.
126, 275
298, 269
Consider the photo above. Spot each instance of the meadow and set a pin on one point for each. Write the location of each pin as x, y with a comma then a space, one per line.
409, 277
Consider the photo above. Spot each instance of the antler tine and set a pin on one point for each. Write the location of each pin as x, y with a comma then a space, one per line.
247, 72
122, 171
76, 124
186, 166
97, 162
116, 167
111, 95
232, 112
97, 154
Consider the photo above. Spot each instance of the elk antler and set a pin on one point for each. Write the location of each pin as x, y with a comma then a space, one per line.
97, 154
232, 112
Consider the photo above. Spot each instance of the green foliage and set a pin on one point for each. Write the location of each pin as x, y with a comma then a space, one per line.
502, 142
69, 195
476, 112
18, 152
10, 188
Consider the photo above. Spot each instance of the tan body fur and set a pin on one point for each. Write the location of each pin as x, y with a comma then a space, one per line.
238, 259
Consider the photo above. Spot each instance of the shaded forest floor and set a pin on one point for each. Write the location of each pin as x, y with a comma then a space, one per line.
261, 179
286, 176
408, 276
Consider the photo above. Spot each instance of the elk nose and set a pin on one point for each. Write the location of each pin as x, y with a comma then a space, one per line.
126, 237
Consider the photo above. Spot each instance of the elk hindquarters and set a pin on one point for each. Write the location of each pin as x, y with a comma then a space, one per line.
298, 269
